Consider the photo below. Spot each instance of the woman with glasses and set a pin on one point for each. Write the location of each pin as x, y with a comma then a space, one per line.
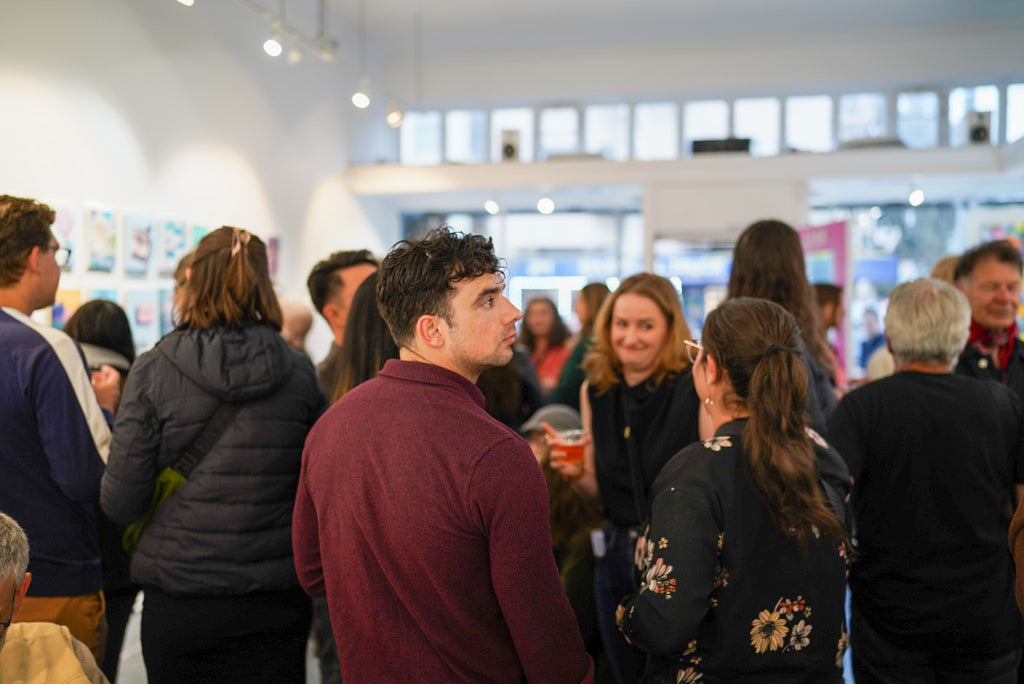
640, 408
222, 599
743, 562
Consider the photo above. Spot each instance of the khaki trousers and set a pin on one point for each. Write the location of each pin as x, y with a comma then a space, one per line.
84, 616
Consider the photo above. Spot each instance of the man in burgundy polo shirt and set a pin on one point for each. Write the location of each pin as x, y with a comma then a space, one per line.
422, 519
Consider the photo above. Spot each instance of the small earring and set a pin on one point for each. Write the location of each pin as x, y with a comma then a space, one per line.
707, 401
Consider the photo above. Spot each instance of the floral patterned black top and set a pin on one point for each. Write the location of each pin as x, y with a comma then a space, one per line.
724, 595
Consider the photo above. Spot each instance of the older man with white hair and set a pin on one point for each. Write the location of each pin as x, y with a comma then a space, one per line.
934, 457
34, 651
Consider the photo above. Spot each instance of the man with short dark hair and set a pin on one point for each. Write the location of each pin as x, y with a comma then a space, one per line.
332, 284
990, 276
55, 434
423, 519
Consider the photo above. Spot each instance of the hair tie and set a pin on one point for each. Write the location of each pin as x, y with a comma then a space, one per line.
239, 238
772, 348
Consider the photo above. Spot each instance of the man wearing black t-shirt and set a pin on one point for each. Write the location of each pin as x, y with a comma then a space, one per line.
934, 457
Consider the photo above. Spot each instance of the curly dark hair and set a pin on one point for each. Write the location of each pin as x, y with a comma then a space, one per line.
418, 277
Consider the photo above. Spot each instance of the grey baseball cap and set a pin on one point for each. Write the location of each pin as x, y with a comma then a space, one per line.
558, 416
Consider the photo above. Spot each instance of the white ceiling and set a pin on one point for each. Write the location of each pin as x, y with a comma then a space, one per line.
464, 27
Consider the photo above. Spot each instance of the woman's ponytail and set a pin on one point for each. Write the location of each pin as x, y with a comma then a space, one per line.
755, 342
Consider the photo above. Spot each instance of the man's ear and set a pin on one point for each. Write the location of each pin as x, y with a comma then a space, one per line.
32, 261
333, 315
431, 331
20, 592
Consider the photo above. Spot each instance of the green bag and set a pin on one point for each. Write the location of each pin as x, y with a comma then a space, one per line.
170, 481
173, 477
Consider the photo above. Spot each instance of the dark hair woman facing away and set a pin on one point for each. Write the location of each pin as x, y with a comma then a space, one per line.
223, 602
743, 563
768, 262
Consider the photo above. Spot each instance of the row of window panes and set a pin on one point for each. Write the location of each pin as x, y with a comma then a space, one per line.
651, 131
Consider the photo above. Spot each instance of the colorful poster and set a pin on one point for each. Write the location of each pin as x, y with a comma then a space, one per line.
166, 311
107, 294
173, 246
64, 231
139, 235
101, 238
825, 252
143, 309
827, 261
65, 304
198, 233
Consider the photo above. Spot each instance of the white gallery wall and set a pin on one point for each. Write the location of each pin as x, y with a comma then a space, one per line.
173, 112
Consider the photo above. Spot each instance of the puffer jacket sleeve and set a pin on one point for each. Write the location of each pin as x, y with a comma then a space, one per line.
132, 469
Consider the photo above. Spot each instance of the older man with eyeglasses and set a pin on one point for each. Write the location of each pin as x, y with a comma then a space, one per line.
55, 427
34, 651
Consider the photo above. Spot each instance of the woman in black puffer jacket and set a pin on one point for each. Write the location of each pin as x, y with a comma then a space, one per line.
222, 602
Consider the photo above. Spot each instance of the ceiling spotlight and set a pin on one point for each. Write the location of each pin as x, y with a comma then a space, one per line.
916, 198
295, 54
491, 207
394, 117
360, 99
545, 205
272, 47
187, 3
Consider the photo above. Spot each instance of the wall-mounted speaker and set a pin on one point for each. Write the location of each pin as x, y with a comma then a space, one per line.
510, 145
979, 127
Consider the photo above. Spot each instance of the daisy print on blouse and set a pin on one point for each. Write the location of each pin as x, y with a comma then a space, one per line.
786, 627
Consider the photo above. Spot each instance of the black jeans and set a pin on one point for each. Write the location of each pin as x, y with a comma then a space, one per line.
613, 581
246, 638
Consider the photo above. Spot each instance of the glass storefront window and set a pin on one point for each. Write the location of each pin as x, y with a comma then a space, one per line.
758, 119
607, 131
704, 120
559, 131
656, 131
465, 138
420, 139
1014, 112
862, 116
809, 123
917, 119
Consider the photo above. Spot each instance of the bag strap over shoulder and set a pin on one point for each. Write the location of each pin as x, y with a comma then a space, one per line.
216, 426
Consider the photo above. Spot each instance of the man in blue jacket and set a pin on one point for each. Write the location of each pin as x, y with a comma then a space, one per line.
54, 436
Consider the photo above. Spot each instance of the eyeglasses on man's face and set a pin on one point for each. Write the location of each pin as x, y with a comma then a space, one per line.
60, 254
693, 349
5, 625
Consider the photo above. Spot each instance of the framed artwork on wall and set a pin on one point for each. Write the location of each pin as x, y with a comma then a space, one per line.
101, 238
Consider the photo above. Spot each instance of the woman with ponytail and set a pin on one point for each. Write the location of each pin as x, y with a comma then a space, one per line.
743, 563
222, 601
